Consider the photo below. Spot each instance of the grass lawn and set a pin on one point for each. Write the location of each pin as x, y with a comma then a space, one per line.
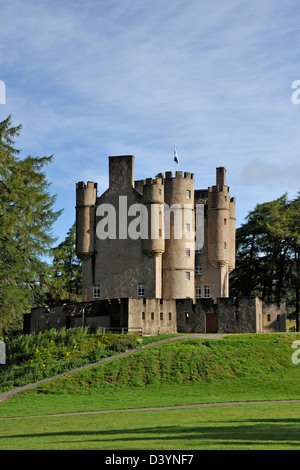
235, 368
253, 427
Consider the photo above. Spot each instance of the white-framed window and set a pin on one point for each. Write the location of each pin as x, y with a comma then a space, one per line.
198, 269
187, 252
198, 292
188, 194
187, 227
140, 289
198, 248
206, 292
96, 292
188, 275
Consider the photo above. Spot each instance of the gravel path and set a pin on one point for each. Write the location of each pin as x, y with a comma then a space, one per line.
11, 393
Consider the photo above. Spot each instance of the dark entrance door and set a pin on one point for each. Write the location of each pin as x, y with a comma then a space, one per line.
211, 323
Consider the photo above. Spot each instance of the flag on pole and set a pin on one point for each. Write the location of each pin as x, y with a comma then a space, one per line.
176, 158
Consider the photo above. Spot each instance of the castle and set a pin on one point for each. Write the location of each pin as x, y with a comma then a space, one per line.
156, 257
165, 259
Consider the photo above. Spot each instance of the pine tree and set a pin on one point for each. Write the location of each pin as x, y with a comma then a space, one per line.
64, 283
26, 219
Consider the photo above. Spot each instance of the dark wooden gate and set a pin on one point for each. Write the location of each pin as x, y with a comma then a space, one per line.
211, 323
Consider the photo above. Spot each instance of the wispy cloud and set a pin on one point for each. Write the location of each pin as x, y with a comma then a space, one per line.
92, 79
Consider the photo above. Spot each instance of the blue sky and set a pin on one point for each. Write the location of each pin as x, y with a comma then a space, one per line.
114, 77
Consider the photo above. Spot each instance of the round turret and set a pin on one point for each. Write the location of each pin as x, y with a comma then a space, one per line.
219, 222
232, 234
153, 198
85, 218
179, 256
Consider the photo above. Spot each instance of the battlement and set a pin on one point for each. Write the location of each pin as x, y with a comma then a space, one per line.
218, 189
150, 181
82, 185
86, 194
178, 175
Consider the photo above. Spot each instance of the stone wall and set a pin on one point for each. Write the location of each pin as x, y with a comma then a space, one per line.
242, 315
46, 318
107, 314
152, 316
273, 318
158, 316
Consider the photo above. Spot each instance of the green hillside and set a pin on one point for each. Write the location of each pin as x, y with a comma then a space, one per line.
252, 365
233, 368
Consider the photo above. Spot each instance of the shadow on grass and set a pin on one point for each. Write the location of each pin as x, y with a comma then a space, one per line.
252, 432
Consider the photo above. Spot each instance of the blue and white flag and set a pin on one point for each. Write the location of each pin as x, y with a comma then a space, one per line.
176, 158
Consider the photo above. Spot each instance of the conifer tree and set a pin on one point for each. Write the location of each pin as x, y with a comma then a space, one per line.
64, 282
26, 219
268, 254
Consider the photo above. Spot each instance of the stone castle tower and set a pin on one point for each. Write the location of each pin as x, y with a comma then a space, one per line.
139, 238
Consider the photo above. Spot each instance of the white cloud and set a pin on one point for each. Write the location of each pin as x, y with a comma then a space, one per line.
93, 79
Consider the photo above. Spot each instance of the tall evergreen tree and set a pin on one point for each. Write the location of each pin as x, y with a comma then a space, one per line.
268, 253
26, 219
64, 283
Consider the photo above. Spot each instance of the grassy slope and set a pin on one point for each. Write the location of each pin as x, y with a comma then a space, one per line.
236, 368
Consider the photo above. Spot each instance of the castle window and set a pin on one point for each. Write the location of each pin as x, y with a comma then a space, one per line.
161, 315
188, 275
96, 292
225, 198
170, 315
225, 221
198, 292
140, 290
187, 227
143, 316
269, 317
225, 245
188, 194
198, 269
206, 292
152, 315
159, 191
187, 252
